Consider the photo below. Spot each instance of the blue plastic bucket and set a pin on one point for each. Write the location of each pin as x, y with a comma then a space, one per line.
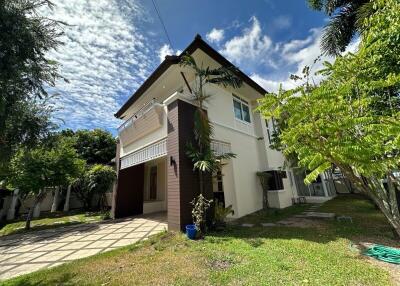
191, 231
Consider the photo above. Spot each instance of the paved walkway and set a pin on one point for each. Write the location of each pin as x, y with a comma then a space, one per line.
25, 253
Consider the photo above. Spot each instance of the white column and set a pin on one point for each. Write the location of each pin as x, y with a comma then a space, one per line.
66, 204
36, 210
55, 200
11, 209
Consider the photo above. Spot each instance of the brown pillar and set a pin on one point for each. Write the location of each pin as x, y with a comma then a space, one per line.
128, 200
183, 182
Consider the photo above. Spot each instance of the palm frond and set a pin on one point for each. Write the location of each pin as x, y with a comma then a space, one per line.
332, 5
188, 61
226, 76
364, 12
225, 156
339, 31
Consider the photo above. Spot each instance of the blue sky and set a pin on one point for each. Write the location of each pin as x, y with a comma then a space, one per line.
111, 46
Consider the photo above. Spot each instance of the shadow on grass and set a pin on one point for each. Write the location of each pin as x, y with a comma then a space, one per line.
369, 224
61, 279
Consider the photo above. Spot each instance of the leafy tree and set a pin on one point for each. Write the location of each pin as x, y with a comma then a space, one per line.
337, 123
95, 146
36, 169
96, 180
26, 37
346, 17
203, 158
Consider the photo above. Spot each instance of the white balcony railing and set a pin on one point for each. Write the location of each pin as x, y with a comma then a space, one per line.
148, 153
220, 147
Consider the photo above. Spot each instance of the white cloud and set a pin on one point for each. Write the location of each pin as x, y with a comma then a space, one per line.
353, 46
215, 35
164, 51
252, 47
298, 54
104, 58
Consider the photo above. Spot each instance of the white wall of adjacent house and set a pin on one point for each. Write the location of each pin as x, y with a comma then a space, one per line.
46, 204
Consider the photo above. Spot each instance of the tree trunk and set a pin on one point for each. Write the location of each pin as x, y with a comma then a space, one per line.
67, 198
39, 197
29, 218
55, 200
385, 199
201, 183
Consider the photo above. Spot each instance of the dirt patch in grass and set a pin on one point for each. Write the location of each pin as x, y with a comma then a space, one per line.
304, 223
220, 264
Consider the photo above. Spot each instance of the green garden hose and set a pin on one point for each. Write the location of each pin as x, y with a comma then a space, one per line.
384, 253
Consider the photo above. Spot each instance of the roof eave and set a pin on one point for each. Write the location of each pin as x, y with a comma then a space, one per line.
198, 42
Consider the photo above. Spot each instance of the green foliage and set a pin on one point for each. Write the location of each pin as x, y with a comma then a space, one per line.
221, 213
343, 121
26, 39
203, 158
100, 178
96, 180
33, 170
95, 146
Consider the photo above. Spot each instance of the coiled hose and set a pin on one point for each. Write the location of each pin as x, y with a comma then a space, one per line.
384, 253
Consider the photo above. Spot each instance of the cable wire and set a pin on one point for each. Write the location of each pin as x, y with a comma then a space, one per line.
162, 23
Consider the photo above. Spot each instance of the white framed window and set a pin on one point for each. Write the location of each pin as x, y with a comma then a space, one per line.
271, 129
241, 109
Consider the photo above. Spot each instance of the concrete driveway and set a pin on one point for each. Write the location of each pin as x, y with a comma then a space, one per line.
25, 253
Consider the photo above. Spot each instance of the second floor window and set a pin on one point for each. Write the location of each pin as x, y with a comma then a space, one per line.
241, 109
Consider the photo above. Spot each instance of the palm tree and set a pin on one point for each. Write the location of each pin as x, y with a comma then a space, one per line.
346, 20
203, 158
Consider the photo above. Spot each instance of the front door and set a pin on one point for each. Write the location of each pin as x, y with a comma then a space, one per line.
153, 183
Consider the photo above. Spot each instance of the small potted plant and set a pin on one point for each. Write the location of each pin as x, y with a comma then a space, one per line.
200, 207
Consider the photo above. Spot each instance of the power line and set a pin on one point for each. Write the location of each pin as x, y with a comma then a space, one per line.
162, 23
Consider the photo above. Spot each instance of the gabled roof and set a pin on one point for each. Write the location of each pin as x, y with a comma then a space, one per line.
197, 43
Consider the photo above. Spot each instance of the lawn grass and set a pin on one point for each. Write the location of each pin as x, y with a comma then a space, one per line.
278, 255
51, 220
272, 215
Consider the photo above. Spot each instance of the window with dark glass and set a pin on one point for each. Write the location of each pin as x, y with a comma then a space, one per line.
238, 109
241, 109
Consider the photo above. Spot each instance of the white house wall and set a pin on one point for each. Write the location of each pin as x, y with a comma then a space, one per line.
241, 185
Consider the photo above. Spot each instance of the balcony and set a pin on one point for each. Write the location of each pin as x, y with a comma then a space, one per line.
145, 154
146, 120
220, 147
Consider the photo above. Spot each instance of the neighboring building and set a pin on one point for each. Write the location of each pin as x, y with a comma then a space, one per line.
155, 174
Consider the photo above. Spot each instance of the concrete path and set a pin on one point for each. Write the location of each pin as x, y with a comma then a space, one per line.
25, 253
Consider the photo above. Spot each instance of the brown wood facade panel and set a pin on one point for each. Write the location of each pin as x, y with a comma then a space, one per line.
183, 182
129, 194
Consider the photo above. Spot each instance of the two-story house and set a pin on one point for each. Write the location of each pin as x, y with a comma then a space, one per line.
154, 172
